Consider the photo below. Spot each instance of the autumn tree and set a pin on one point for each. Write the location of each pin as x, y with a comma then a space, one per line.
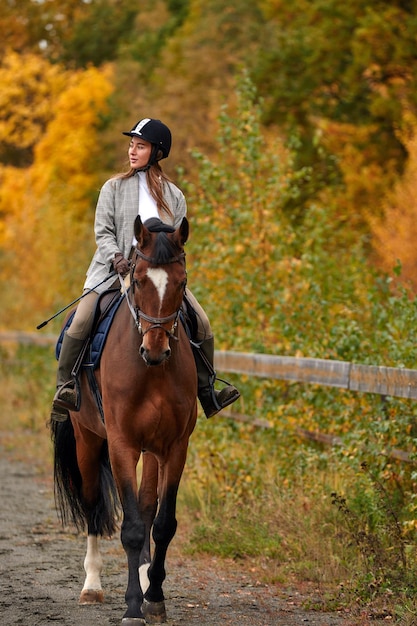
99, 31
21, 28
70, 32
29, 88
47, 210
394, 234
348, 63
187, 80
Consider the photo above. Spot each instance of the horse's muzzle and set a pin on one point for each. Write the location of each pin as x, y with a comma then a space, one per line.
154, 358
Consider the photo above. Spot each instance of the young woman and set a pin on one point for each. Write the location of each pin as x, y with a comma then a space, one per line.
147, 191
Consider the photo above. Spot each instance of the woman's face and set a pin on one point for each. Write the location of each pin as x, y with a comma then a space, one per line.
139, 152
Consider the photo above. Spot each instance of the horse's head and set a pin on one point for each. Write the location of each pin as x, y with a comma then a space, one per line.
158, 283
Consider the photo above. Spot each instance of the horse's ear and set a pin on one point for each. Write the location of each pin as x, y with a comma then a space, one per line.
140, 231
138, 227
184, 230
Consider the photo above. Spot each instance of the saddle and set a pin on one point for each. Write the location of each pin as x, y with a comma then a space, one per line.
106, 308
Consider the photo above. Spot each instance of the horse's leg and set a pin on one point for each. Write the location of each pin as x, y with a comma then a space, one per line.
124, 462
97, 507
92, 592
164, 528
148, 503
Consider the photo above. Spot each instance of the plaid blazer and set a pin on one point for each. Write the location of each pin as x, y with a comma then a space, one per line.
117, 209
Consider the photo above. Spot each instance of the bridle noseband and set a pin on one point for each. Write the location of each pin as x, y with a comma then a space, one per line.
157, 322
138, 315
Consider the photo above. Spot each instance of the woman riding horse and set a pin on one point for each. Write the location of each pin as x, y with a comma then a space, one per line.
144, 190
147, 382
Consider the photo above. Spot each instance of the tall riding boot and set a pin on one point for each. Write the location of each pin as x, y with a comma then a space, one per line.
66, 397
211, 400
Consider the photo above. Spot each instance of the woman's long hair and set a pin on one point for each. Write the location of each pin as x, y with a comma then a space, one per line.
155, 178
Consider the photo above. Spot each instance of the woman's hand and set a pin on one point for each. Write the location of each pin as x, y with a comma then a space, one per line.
120, 264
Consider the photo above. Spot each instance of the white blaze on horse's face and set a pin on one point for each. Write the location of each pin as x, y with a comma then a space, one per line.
159, 277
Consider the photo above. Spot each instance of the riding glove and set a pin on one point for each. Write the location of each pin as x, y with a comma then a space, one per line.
120, 264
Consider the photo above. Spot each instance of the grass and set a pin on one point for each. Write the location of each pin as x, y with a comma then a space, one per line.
256, 509
27, 376
291, 536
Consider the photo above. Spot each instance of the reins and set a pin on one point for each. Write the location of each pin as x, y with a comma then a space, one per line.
126, 295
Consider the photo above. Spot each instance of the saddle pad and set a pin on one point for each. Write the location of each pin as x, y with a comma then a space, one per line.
98, 340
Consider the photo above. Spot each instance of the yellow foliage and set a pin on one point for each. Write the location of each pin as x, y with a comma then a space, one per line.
29, 86
395, 234
363, 177
47, 209
70, 146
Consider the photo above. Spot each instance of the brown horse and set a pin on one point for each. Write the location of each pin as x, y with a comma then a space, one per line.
148, 384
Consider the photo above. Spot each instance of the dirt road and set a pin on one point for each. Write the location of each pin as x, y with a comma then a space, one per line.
42, 574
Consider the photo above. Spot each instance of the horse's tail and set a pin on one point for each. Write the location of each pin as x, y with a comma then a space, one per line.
102, 518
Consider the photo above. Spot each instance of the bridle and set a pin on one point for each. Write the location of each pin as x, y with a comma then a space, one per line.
138, 315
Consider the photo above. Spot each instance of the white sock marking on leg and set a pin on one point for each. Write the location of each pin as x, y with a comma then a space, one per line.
143, 577
93, 564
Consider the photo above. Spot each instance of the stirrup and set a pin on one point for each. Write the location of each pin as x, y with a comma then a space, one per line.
226, 396
68, 396
213, 401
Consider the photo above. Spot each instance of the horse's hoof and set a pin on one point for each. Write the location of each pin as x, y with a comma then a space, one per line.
133, 621
154, 612
91, 596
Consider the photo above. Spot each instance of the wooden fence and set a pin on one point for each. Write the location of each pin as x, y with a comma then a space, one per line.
387, 381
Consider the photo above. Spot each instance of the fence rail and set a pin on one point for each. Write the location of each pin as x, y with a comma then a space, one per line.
388, 381
33, 339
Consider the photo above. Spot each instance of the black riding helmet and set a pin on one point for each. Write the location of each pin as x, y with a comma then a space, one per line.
157, 133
